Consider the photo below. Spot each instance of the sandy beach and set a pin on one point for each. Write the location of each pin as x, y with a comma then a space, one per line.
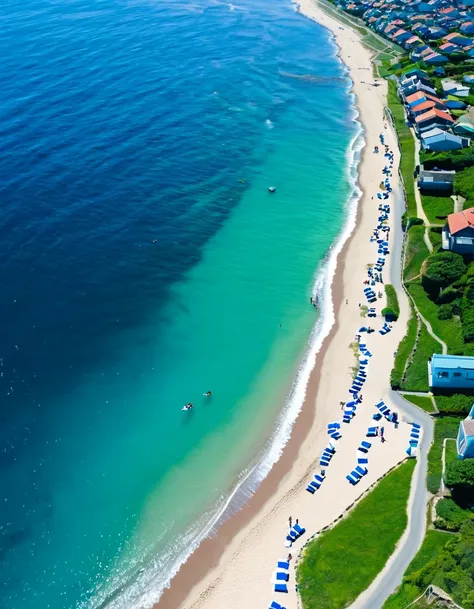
237, 566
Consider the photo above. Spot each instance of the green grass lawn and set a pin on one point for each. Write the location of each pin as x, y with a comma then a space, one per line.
416, 252
437, 208
407, 146
422, 402
416, 378
341, 563
448, 330
451, 451
404, 350
445, 427
434, 542
392, 299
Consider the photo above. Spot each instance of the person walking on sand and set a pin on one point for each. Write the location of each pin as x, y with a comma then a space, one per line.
290, 521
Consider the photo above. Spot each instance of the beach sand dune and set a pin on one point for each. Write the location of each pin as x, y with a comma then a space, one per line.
240, 573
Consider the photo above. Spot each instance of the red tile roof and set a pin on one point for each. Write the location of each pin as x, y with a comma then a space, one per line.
420, 95
424, 106
461, 220
434, 113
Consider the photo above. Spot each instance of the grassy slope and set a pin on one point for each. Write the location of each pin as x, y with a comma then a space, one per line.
445, 427
342, 562
415, 253
407, 146
448, 330
417, 374
434, 541
437, 208
405, 347
424, 403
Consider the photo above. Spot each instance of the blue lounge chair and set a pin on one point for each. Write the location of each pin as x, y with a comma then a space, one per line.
365, 444
299, 529
318, 478
336, 436
361, 470
416, 425
281, 588
355, 474
276, 605
282, 576
377, 416
310, 489
352, 480
362, 460
283, 564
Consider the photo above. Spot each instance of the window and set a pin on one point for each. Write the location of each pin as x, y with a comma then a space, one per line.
464, 241
443, 375
458, 374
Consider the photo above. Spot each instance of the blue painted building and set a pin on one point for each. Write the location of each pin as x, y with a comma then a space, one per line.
451, 372
465, 439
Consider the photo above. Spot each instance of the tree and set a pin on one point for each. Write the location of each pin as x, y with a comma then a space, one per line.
441, 270
460, 473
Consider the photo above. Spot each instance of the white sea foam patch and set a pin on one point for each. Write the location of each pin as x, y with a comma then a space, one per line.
142, 586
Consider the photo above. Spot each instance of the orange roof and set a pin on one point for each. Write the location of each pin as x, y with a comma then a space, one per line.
424, 106
461, 220
433, 113
420, 95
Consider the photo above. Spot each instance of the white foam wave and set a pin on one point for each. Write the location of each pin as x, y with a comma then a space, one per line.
269, 124
148, 584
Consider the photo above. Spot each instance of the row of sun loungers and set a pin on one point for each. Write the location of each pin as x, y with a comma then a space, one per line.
383, 409
293, 534
315, 484
328, 454
356, 474
371, 312
414, 442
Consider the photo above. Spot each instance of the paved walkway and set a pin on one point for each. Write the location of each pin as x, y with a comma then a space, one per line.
391, 576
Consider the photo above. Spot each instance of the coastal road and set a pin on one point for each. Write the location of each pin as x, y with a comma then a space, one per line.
391, 575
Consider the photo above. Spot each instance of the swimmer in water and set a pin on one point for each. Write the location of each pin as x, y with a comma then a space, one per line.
207, 394
188, 406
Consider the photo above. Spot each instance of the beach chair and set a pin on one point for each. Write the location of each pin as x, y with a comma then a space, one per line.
355, 474
416, 425
299, 529
336, 435
283, 565
352, 480
362, 460
361, 470
377, 416
413, 443
276, 605
281, 588
281, 576
318, 479
365, 444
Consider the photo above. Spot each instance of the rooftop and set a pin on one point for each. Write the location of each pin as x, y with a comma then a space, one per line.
453, 362
434, 113
457, 222
468, 425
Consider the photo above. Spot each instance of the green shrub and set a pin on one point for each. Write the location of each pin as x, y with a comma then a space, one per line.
441, 270
453, 159
464, 183
412, 221
458, 403
393, 308
460, 473
445, 311
450, 515
448, 295
389, 314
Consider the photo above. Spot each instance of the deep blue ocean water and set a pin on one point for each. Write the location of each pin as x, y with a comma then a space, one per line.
143, 262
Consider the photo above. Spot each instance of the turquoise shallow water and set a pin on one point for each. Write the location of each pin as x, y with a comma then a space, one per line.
125, 122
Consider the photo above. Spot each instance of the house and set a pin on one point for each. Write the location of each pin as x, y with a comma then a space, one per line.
452, 87
436, 33
458, 233
437, 139
414, 85
465, 439
451, 371
435, 59
448, 48
467, 27
455, 38
436, 181
433, 117
468, 79
464, 126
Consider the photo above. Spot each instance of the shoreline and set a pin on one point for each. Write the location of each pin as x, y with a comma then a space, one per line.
197, 579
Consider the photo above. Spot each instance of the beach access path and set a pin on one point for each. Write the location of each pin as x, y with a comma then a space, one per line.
240, 571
